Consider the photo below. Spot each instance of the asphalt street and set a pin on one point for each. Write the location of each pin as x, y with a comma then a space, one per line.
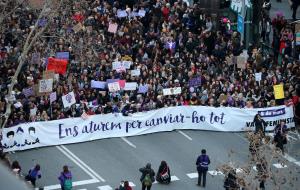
102, 164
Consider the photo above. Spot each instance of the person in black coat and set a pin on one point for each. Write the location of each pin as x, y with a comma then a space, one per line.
163, 174
202, 167
260, 125
145, 171
294, 7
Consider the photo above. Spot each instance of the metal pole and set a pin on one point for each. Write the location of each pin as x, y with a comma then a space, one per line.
243, 15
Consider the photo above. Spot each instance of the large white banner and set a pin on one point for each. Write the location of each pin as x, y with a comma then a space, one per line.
74, 130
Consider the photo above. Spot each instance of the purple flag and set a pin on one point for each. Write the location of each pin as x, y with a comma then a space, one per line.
194, 82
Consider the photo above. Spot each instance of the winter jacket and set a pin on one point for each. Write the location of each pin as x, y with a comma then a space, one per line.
202, 162
63, 176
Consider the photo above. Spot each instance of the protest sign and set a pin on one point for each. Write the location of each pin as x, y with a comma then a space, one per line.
126, 64
57, 65
121, 13
28, 92
36, 58
194, 82
143, 89
258, 76
77, 27
98, 84
18, 105
69, 99
45, 85
112, 27
116, 65
241, 62
113, 87
62, 55
141, 13
172, 91
130, 86
278, 91
53, 97
135, 72
33, 111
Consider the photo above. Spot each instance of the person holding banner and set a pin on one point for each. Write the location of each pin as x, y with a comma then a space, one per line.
260, 125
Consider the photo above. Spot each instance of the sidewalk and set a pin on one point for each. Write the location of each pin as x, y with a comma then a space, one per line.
284, 7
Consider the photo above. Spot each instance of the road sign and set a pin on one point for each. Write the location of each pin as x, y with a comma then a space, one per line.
240, 24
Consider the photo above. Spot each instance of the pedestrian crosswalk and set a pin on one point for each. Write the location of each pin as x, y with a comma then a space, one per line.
192, 175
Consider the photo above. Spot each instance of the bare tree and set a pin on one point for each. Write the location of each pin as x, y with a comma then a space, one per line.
49, 11
259, 168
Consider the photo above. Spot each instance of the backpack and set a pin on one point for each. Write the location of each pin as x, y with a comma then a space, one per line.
147, 180
68, 183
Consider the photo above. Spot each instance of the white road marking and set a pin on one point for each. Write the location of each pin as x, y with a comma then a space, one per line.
79, 162
214, 172
295, 133
254, 168
174, 178
131, 184
185, 135
289, 158
291, 137
75, 183
192, 175
297, 163
105, 187
280, 165
128, 142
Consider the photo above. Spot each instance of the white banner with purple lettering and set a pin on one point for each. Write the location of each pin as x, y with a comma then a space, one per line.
75, 130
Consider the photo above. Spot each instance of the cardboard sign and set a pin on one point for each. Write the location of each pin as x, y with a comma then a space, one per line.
112, 28
45, 85
77, 27
258, 77
278, 91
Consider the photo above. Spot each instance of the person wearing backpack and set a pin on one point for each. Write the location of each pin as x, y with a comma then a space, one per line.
202, 167
163, 174
33, 174
147, 177
65, 179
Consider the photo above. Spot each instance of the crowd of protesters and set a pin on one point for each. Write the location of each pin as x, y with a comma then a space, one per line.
204, 46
